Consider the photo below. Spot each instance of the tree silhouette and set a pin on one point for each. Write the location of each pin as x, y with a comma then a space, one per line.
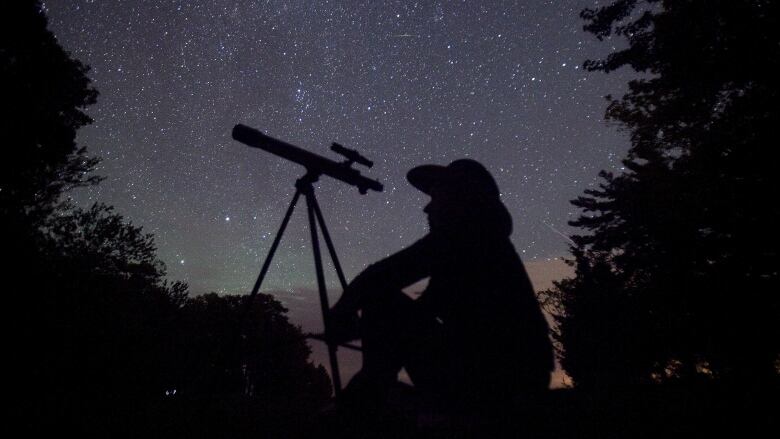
44, 94
271, 366
97, 322
100, 340
677, 273
106, 338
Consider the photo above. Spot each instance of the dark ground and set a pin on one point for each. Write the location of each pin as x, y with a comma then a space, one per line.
662, 411
657, 412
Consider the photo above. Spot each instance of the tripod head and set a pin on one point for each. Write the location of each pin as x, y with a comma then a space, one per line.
315, 164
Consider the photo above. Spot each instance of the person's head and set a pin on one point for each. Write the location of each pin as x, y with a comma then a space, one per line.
463, 194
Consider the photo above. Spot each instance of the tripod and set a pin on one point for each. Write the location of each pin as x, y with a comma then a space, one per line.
304, 186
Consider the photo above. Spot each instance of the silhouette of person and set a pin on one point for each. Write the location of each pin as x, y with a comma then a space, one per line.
476, 336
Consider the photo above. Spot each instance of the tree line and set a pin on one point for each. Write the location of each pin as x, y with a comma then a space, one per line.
676, 265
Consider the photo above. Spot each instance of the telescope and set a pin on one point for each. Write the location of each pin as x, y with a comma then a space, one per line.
314, 163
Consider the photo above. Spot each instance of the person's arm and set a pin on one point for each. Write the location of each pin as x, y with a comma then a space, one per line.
390, 274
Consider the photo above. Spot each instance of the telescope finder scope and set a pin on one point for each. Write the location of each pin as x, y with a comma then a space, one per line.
351, 155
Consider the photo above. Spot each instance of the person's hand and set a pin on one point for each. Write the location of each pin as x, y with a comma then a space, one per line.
343, 325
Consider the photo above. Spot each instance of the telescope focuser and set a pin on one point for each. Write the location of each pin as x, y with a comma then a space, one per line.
351, 155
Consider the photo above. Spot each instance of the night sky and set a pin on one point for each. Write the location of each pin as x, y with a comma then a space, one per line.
405, 83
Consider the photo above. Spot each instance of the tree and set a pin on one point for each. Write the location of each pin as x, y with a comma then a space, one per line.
95, 323
44, 94
98, 334
268, 362
104, 339
678, 260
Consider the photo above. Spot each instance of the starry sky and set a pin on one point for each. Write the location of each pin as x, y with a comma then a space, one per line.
405, 83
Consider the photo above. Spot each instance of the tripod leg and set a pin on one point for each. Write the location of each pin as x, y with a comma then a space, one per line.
242, 324
275, 244
329, 243
315, 243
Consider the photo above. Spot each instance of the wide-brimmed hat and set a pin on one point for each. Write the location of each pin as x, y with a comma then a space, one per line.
465, 177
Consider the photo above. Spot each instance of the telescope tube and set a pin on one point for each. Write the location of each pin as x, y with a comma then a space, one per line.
314, 163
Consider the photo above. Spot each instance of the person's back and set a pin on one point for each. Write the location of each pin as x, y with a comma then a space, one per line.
481, 293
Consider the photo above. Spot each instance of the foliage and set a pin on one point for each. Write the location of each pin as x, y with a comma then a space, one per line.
268, 361
676, 273
97, 319
44, 94
105, 334
101, 340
